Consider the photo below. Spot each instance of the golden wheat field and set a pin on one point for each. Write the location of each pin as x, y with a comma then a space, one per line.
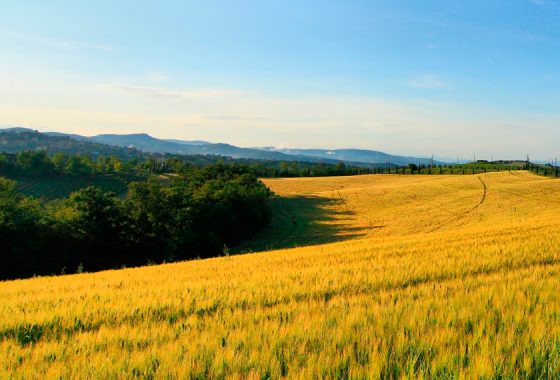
397, 276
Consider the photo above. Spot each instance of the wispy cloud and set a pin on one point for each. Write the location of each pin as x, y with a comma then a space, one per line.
259, 119
174, 94
427, 82
236, 117
55, 43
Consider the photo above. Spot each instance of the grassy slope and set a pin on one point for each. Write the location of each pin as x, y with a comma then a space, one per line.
55, 187
431, 275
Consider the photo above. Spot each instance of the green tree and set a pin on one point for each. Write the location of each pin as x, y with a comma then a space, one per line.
60, 161
99, 223
23, 232
35, 163
340, 167
4, 163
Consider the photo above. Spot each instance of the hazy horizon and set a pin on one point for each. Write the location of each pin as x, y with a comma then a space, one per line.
403, 77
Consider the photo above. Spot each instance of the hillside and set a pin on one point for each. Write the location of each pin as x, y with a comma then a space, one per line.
151, 144
189, 142
147, 143
58, 187
434, 276
144, 142
19, 139
126, 147
359, 155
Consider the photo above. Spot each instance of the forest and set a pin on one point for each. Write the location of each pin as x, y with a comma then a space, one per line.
196, 213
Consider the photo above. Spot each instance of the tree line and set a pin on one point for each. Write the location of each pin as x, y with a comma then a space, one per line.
43, 164
198, 212
547, 170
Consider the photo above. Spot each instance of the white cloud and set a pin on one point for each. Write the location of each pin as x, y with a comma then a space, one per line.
236, 117
246, 118
174, 94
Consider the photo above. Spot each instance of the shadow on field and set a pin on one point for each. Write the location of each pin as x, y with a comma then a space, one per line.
301, 221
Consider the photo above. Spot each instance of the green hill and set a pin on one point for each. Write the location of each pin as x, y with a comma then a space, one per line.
16, 141
57, 187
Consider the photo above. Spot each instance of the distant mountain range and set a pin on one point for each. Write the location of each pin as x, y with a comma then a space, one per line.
356, 155
185, 142
147, 143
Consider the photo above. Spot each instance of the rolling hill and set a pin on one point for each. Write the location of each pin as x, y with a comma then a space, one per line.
391, 276
15, 140
142, 141
20, 139
358, 155
147, 143
353, 156
189, 142
59, 187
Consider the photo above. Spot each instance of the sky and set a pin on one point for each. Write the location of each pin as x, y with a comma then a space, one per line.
448, 78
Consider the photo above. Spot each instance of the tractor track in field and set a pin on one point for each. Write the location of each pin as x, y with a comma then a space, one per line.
456, 216
483, 195
342, 201
469, 211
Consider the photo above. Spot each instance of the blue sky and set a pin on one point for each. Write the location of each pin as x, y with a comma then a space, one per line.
411, 77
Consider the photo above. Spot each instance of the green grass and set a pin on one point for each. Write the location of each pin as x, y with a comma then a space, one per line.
57, 187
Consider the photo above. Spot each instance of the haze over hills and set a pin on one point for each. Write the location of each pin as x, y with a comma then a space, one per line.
147, 143
356, 155
189, 142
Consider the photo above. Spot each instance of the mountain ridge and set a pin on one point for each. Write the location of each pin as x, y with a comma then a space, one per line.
147, 143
